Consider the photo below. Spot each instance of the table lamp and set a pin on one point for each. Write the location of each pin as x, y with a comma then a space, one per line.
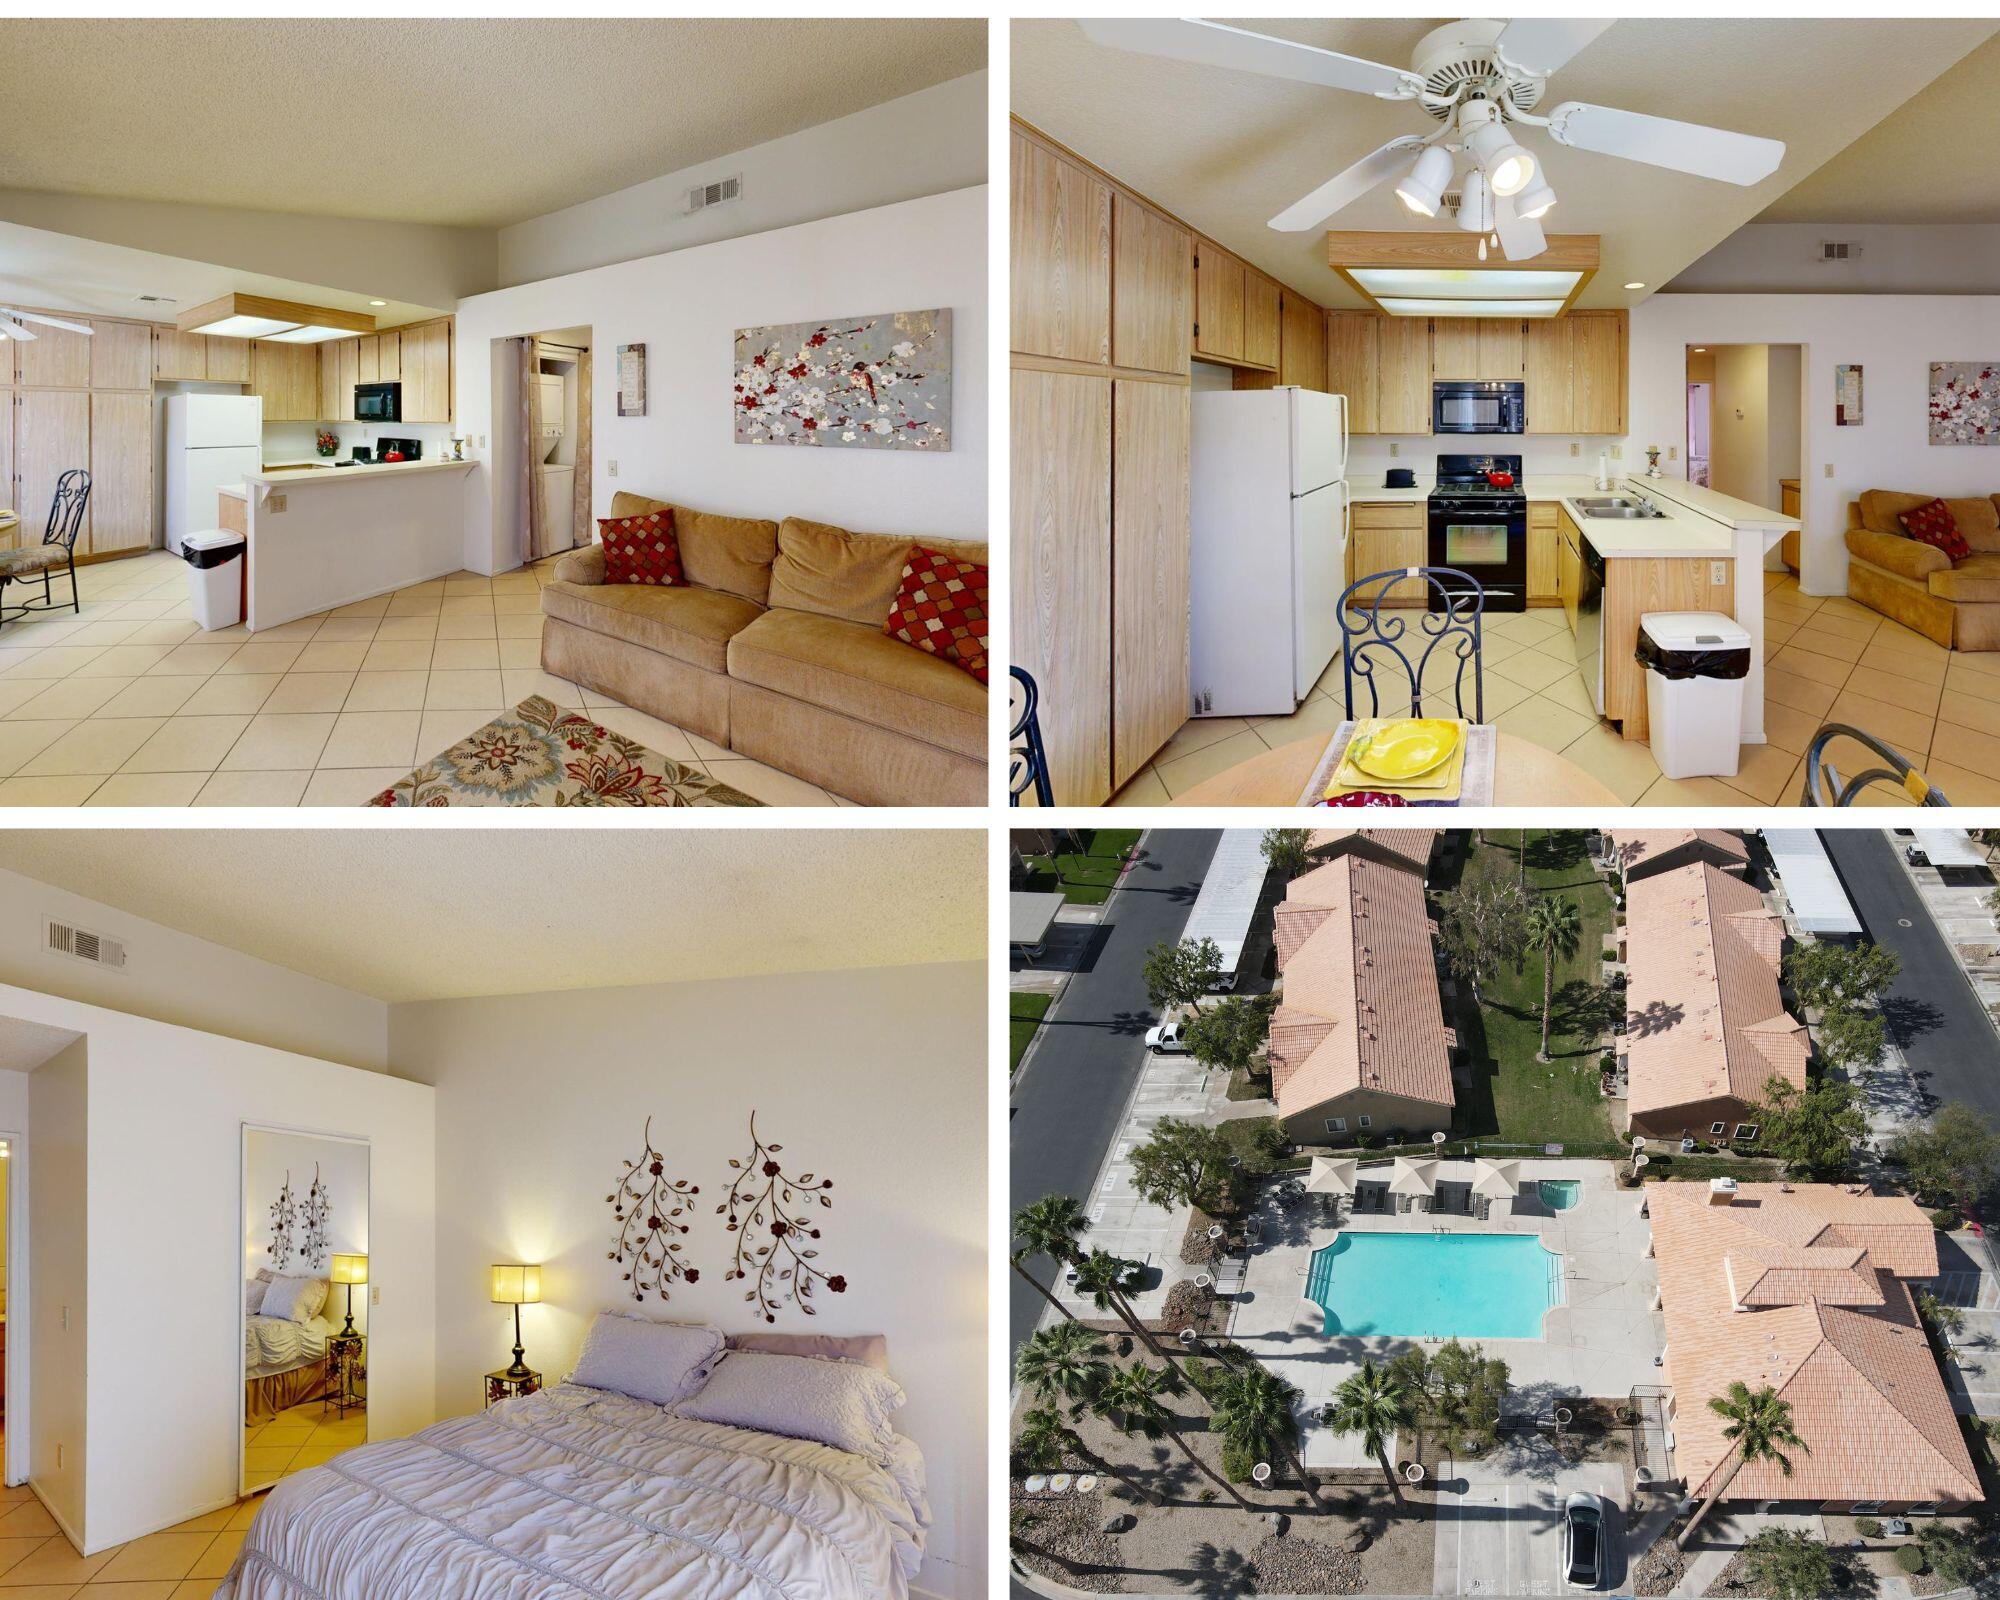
517, 1286
349, 1270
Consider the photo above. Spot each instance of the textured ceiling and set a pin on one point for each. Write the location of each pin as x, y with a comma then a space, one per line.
25, 1045
437, 913
1930, 161
470, 122
1226, 151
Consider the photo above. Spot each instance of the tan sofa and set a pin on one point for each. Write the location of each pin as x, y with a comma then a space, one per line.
1915, 583
775, 650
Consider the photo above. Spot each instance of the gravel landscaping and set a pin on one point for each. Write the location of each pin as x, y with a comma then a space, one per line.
1657, 1571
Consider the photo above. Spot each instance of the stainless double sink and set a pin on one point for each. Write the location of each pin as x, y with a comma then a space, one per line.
1625, 507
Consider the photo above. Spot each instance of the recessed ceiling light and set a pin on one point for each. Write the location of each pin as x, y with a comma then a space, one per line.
1635, 286
1701, 349
378, 302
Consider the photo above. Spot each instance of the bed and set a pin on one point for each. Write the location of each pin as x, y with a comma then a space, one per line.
588, 1494
284, 1364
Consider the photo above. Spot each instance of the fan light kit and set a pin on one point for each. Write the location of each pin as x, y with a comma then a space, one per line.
12, 324
1480, 81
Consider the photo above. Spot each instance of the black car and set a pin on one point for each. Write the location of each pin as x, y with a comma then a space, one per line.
1583, 1541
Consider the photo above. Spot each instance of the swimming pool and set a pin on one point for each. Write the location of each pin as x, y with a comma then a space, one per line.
1435, 1285
1559, 1194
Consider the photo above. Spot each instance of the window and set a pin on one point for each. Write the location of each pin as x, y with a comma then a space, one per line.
1864, 1508
1922, 1508
1717, 1129
1747, 1132
1362, 1122
1336, 1124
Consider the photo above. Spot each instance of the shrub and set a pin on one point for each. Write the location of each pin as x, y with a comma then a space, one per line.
1911, 1559
1944, 1220
1237, 1460
1868, 1527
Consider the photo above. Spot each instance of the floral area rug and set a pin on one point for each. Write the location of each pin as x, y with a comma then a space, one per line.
541, 755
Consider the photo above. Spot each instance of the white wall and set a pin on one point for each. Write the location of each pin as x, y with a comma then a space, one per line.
1893, 337
1739, 455
165, 1111
175, 977
1370, 456
929, 142
270, 1159
542, 1099
1895, 258
52, 1413
685, 307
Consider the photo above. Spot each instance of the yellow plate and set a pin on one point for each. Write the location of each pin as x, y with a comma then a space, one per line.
1403, 750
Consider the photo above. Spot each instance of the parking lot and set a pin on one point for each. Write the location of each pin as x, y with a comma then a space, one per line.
1502, 1534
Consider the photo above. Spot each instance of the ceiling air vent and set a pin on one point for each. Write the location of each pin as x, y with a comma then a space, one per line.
80, 944
156, 300
1840, 250
704, 195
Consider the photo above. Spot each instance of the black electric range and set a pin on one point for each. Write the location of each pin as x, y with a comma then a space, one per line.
1480, 530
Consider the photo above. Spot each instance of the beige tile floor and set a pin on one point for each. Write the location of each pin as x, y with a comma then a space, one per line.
130, 704
1830, 660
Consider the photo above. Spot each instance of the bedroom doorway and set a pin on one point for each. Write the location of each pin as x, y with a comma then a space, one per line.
303, 1250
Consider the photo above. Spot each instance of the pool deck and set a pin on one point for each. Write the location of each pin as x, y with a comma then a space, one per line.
1600, 1342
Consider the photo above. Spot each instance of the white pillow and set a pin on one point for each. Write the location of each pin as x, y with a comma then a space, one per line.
294, 1299
838, 1403
661, 1362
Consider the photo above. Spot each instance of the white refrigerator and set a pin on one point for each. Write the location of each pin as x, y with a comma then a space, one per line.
1269, 520
213, 440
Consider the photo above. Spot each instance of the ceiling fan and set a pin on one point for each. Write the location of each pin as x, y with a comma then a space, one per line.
1475, 78
11, 320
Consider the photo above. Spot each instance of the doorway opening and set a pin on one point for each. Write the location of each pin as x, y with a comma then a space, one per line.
1746, 427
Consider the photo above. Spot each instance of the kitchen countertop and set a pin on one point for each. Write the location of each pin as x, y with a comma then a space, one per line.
320, 472
1537, 486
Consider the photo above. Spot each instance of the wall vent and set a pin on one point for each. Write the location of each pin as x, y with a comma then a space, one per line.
80, 944
1840, 250
156, 300
704, 195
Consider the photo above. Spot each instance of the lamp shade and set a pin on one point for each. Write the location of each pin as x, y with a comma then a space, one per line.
517, 1285
350, 1269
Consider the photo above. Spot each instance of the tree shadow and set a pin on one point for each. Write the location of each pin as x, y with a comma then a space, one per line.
1908, 1018
1559, 850
1583, 1011
1660, 1016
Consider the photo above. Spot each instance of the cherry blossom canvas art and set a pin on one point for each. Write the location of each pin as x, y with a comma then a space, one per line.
868, 383
1965, 402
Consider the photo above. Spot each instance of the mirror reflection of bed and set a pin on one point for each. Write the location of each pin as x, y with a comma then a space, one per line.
304, 1247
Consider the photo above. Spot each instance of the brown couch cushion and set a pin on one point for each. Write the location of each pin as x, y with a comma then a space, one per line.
1978, 519
1971, 581
692, 625
832, 572
856, 669
1894, 552
732, 554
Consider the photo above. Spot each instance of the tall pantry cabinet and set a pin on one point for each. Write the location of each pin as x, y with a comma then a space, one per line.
1102, 305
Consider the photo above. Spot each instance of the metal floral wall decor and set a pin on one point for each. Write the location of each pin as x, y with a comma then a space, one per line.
298, 1227
862, 383
1965, 402
648, 1207
284, 1218
772, 1218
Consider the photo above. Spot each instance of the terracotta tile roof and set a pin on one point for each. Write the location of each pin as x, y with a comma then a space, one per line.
1803, 1289
1704, 1019
1413, 845
1361, 1007
1637, 846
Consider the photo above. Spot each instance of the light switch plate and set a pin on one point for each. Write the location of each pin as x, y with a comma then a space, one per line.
1575, 449
1829, 469
611, 469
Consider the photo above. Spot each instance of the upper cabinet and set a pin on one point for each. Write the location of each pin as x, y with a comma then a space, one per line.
286, 378
1061, 243
1152, 274
199, 357
1575, 370
228, 359
1218, 311
1475, 349
1262, 311
55, 358
426, 352
121, 355
1302, 347
1354, 365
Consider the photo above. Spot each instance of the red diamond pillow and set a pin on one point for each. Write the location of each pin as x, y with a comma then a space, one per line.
941, 607
641, 549
1935, 525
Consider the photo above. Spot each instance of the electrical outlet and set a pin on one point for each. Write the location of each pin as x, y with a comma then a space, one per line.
1575, 449
1829, 469
374, 1294
274, 503
482, 441
1718, 574
1673, 452
611, 469
1617, 452
1395, 449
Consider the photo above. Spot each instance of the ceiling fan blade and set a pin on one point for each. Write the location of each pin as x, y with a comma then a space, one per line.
1539, 45
13, 330
1370, 171
1740, 158
53, 322
1521, 238
1215, 44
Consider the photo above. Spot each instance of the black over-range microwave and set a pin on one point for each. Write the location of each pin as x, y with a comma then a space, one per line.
382, 402
1478, 408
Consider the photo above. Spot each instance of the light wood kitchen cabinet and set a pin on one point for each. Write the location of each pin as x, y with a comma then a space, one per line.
121, 473
179, 357
389, 357
1219, 285
1454, 349
1545, 375
1597, 371
1388, 536
1569, 568
121, 355
1263, 333
344, 356
1061, 258
1788, 504
367, 359
329, 385
228, 359
1499, 340
286, 378
426, 376
51, 435
54, 359
1354, 365
16, 536
1152, 274
1149, 603
1543, 554
1634, 586
1302, 343
1403, 403
1059, 447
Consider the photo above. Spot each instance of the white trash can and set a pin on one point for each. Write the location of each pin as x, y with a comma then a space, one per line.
215, 577
1695, 664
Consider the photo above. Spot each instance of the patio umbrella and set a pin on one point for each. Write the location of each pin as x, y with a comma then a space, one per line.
1413, 1177
1330, 1176
1496, 1180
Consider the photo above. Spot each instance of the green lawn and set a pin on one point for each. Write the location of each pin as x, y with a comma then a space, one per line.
1025, 1013
1514, 1097
1085, 877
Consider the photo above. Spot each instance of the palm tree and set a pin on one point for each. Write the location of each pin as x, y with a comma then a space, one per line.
1252, 1407
1101, 1275
1130, 1401
1065, 1362
1374, 1404
1052, 1227
1553, 929
1043, 1439
1760, 1426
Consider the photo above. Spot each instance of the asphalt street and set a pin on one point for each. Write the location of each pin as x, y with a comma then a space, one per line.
1087, 1057
1932, 1014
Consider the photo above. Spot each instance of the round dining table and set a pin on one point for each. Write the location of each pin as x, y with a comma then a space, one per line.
1524, 774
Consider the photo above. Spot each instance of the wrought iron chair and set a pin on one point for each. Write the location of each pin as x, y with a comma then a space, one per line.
56, 552
1370, 640
1027, 763
1825, 787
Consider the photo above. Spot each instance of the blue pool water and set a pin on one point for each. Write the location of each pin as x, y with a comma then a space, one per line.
1559, 1194
1435, 1285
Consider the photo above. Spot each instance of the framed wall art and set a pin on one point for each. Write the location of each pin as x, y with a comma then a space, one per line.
857, 383
1962, 408
1846, 395
631, 380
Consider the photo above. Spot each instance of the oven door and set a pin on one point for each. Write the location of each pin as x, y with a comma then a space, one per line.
1489, 544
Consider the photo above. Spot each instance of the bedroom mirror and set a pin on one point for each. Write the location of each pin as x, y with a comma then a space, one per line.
304, 1255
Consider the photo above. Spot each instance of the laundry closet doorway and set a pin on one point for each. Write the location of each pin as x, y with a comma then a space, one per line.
554, 454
